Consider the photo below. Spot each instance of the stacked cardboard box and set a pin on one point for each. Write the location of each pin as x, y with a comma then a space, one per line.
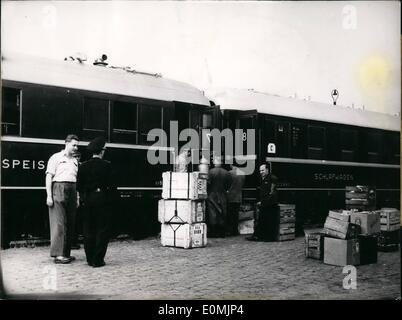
246, 218
360, 198
314, 245
341, 246
389, 238
287, 220
181, 212
184, 185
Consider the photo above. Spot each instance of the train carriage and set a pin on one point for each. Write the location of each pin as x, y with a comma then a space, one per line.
44, 100
316, 149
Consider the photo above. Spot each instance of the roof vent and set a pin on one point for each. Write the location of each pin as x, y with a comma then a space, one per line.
101, 61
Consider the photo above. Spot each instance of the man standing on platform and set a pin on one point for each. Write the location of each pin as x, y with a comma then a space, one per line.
62, 199
96, 187
234, 200
219, 182
268, 219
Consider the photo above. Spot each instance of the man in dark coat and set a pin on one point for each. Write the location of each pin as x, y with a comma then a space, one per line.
268, 219
94, 182
219, 182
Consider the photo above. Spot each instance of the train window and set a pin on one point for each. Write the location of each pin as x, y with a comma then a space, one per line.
298, 141
348, 144
373, 147
150, 117
96, 118
124, 122
207, 120
316, 142
10, 111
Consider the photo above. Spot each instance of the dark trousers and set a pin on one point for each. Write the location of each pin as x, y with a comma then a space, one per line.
268, 223
95, 227
232, 220
62, 218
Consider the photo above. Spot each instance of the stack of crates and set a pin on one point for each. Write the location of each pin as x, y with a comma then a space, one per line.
389, 238
341, 244
360, 198
287, 221
181, 211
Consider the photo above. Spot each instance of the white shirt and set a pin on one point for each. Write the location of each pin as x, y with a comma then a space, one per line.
62, 167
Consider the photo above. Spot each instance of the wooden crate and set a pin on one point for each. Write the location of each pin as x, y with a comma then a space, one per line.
340, 229
181, 211
390, 219
184, 235
184, 185
314, 245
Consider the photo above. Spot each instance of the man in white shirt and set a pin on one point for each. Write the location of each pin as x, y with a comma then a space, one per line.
62, 199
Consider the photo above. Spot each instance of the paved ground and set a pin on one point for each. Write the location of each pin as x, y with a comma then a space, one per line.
230, 268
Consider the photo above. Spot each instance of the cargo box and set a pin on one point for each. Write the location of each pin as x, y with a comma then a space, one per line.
343, 215
184, 235
314, 245
181, 211
369, 221
390, 219
340, 229
184, 185
286, 237
340, 252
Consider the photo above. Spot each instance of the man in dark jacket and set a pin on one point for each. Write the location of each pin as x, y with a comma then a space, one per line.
268, 219
219, 182
94, 182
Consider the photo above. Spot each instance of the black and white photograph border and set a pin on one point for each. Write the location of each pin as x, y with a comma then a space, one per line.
310, 90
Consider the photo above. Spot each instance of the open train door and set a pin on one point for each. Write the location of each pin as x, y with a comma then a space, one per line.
204, 120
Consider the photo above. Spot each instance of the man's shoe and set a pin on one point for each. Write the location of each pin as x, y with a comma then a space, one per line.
98, 265
62, 260
72, 258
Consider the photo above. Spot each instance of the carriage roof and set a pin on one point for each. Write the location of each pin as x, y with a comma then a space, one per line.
240, 99
85, 76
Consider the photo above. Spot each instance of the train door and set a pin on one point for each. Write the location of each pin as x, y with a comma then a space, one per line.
204, 120
248, 120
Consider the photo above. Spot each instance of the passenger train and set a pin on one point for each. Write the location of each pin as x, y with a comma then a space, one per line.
315, 149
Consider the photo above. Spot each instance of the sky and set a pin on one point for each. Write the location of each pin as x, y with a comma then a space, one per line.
292, 49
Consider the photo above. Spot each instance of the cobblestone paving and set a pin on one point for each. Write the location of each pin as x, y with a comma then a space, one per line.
230, 268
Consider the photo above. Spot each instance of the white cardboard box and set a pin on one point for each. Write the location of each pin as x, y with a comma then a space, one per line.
184, 185
181, 211
184, 235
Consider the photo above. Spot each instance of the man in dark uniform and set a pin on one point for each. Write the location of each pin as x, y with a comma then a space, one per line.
219, 181
268, 219
94, 182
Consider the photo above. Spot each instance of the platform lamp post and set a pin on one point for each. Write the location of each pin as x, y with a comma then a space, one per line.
335, 95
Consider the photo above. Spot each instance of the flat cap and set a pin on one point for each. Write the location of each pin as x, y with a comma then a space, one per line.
96, 145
